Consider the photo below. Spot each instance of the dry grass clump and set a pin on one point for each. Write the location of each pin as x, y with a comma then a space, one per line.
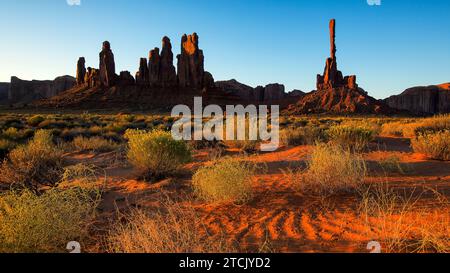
392, 164
429, 125
401, 225
434, 145
36, 164
372, 125
393, 128
173, 229
35, 120
245, 146
31, 223
94, 144
156, 153
330, 170
435, 124
301, 136
5, 147
227, 180
351, 137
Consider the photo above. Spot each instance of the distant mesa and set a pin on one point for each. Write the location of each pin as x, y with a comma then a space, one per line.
4, 89
423, 100
24, 92
270, 94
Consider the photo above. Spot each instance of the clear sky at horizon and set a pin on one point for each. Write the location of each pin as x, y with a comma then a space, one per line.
400, 44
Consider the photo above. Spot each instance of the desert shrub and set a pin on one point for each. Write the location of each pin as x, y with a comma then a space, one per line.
5, 147
96, 130
400, 225
435, 124
12, 134
70, 134
35, 120
31, 223
392, 164
393, 129
94, 144
156, 153
227, 180
353, 138
301, 136
127, 118
331, 169
245, 146
434, 145
372, 125
428, 125
173, 229
86, 175
38, 163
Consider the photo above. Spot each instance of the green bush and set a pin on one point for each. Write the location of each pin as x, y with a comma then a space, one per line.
31, 223
434, 145
156, 153
39, 163
227, 180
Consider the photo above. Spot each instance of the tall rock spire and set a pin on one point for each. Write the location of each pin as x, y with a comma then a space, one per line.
190, 62
332, 77
107, 65
333, 38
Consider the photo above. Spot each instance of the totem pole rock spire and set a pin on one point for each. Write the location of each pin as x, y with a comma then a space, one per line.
333, 38
332, 77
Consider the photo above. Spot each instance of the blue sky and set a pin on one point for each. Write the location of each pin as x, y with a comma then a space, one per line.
400, 44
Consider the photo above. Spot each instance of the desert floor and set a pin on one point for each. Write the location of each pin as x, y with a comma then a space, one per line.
278, 218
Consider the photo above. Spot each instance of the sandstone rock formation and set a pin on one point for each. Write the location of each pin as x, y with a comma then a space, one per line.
274, 92
92, 77
190, 63
22, 91
235, 87
107, 66
81, 71
332, 77
125, 78
335, 93
168, 75
4, 89
296, 93
434, 99
338, 101
142, 76
154, 64
271, 93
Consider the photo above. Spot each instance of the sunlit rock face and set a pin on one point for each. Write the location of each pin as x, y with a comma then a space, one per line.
190, 63
432, 99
